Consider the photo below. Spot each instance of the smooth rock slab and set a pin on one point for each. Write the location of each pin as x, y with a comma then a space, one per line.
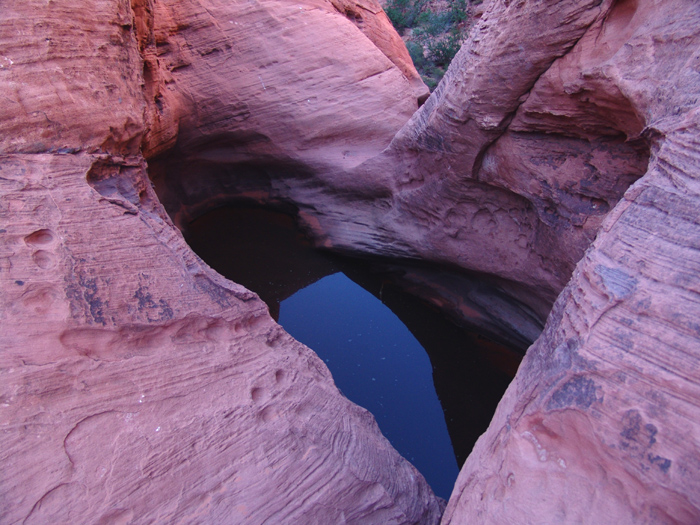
140, 385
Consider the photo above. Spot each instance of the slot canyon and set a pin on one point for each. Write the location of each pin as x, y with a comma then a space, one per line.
545, 195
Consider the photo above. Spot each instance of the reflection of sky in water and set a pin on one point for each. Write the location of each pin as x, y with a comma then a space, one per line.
379, 365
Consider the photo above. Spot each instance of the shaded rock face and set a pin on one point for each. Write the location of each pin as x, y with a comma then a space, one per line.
137, 384
133, 374
471, 171
477, 165
252, 94
558, 124
605, 404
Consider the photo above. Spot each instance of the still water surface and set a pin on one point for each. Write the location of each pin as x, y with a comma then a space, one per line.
377, 363
431, 386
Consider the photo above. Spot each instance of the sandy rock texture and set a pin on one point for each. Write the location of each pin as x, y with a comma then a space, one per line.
601, 422
561, 147
605, 404
476, 165
256, 100
469, 170
137, 384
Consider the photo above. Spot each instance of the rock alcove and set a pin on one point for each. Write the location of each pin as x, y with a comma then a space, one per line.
431, 385
558, 156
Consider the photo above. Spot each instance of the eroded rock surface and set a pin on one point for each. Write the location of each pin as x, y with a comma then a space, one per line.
475, 166
548, 115
605, 404
133, 374
470, 172
601, 422
137, 384
259, 102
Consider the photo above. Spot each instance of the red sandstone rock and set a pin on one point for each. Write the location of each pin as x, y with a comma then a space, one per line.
601, 423
240, 82
135, 375
454, 177
547, 116
605, 405
459, 179
137, 384
549, 113
369, 17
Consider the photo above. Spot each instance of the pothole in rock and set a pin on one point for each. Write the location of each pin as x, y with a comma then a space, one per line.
432, 387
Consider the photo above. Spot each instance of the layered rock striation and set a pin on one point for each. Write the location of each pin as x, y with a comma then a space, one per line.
600, 423
137, 384
605, 404
558, 158
557, 124
515, 150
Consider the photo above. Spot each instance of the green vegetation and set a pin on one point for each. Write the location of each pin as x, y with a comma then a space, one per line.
433, 36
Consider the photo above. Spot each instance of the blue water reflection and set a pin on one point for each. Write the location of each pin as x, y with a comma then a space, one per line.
379, 365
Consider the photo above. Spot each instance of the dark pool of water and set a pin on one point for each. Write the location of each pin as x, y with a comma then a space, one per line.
431, 386
377, 363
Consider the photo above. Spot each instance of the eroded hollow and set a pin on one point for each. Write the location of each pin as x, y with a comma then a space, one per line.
470, 365
431, 385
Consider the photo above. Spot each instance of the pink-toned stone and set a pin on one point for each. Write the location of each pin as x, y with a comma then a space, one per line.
601, 421
369, 17
137, 384
241, 82
455, 176
600, 424
452, 191
65, 87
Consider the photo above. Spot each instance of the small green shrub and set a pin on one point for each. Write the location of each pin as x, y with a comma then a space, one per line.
459, 11
417, 54
433, 24
403, 13
434, 38
442, 51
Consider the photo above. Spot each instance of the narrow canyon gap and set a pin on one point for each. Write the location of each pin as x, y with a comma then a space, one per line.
139, 385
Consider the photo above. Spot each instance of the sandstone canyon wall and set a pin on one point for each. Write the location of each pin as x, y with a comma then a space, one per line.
601, 423
563, 132
137, 384
475, 166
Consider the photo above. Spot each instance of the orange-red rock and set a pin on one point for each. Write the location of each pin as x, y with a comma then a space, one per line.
137, 384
